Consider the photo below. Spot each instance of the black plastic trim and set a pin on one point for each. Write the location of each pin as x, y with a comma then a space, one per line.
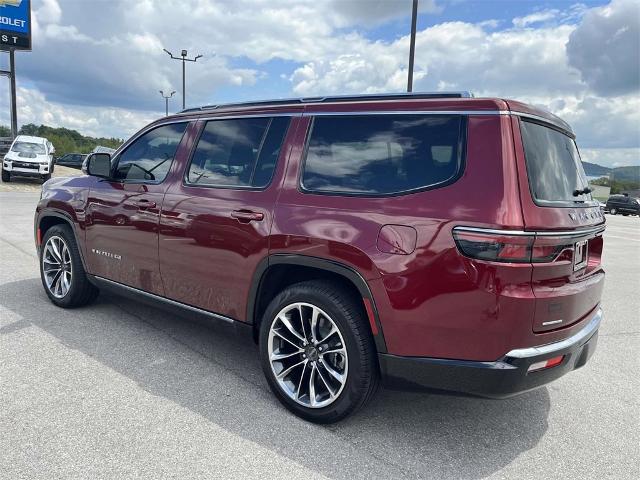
67, 218
499, 379
321, 264
193, 313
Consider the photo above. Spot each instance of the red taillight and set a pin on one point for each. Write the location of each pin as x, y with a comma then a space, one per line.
543, 365
512, 247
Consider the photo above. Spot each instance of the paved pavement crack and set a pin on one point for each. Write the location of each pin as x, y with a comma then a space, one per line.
31, 254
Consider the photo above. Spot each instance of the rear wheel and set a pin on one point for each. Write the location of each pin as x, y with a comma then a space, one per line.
61, 270
317, 352
6, 176
613, 211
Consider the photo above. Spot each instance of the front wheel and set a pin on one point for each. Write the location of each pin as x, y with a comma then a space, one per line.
6, 176
61, 270
613, 211
46, 177
317, 352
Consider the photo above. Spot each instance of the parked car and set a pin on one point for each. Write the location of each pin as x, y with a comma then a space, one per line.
101, 149
71, 160
5, 145
431, 241
622, 204
28, 156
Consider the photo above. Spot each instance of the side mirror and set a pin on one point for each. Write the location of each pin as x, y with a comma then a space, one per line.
98, 165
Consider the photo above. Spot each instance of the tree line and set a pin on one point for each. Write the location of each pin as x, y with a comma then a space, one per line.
64, 140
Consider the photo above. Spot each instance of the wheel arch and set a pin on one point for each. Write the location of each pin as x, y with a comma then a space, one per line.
268, 282
51, 218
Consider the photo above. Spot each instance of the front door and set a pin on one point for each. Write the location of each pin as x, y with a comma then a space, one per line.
215, 224
122, 213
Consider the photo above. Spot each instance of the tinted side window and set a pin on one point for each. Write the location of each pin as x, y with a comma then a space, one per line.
383, 154
150, 156
553, 164
237, 152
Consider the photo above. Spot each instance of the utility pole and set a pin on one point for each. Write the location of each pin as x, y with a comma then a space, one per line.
412, 46
166, 101
183, 58
11, 73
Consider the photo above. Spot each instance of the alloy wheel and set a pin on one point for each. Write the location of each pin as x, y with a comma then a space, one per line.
308, 355
56, 266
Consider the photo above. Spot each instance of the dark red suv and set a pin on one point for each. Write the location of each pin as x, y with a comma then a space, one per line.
433, 241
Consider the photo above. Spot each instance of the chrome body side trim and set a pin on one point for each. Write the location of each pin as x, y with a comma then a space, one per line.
165, 300
583, 334
522, 233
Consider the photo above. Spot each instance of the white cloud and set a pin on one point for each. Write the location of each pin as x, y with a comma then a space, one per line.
80, 69
33, 107
611, 157
537, 17
605, 48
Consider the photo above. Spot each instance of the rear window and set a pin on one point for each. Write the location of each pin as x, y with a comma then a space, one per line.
553, 165
383, 154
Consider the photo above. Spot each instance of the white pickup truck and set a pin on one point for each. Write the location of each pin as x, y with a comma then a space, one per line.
28, 156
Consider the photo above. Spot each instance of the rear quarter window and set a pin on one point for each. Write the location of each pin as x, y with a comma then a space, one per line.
553, 163
374, 155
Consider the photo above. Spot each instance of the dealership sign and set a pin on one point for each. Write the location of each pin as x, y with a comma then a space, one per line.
15, 24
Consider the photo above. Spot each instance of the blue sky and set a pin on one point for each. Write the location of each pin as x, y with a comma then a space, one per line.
97, 65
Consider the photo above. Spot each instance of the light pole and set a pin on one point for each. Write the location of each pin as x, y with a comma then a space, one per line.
166, 101
11, 73
412, 46
183, 58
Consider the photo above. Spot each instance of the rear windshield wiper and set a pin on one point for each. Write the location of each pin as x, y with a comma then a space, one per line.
584, 191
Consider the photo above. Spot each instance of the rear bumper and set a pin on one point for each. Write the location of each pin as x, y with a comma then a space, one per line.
502, 378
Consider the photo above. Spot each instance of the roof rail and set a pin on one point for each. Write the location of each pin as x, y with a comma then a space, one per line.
336, 98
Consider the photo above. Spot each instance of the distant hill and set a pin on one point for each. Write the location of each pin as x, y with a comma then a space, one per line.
595, 170
64, 139
627, 174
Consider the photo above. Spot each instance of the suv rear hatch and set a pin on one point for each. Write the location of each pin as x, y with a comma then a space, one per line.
567, 279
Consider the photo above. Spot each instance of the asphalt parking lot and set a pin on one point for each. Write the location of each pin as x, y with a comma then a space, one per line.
120, 390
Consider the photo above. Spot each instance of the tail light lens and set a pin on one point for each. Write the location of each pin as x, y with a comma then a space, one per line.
512, 246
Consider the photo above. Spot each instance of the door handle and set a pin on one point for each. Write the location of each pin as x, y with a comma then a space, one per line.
246, 216
144, 204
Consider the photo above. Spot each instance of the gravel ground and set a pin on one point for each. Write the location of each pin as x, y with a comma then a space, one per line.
32, 184
120, 390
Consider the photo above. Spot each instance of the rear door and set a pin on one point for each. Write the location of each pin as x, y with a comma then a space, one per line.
215, 222
567, 276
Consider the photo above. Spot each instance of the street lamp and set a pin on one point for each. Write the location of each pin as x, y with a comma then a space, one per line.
166, 101
183, 58
412, 45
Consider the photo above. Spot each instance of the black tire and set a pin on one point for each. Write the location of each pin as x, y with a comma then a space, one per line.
613, 211
81, 291
348, 315
46, 177
6, 176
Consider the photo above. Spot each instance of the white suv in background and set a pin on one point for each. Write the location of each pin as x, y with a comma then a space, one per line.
28, 156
